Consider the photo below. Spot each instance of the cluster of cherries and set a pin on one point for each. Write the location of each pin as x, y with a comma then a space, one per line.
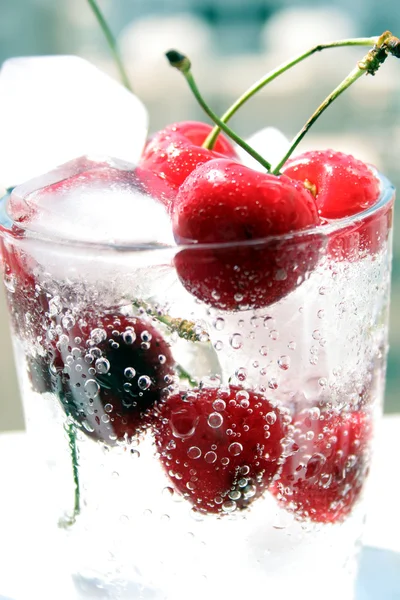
246, 240
247, 235
115, 375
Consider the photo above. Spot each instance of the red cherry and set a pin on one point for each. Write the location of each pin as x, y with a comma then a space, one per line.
223, 202
110, 370
323, 476
27, 301
220, 448
344, 186
176, 151
197, 132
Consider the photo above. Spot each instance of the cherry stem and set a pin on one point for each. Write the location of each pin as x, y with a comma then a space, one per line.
187, 330
183, 374
256, 87
111, 43
183, 64
386, 44
70, 429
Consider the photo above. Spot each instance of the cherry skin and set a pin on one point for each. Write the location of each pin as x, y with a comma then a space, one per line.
197, 132
344, 186
109, 372
174, 152
219, 447
234, 209
324, 474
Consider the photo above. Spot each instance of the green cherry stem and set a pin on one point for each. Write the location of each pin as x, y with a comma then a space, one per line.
183, 64
256, 87
386, 44
111, 43
70, 430
187, 330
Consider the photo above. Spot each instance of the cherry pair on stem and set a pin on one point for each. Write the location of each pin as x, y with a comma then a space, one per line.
256, 227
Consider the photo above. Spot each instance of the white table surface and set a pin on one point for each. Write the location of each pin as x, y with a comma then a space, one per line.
21, 514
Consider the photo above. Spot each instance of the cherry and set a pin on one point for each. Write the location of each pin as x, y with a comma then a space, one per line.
27, 301
324, 473
219, 447
174, 152
236, 210
109, 371
344, 186
196, 132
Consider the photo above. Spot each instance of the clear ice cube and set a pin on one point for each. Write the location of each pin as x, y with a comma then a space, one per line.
56, 108
89, 200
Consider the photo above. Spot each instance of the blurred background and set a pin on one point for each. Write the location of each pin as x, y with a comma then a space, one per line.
231, 43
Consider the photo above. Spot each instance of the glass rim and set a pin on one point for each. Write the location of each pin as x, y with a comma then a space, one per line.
14, 229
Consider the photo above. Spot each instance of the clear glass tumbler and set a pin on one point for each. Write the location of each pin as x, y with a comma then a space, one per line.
206, 413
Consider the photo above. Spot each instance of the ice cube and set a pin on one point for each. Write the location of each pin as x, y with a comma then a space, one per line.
89, 200
56, 108
270, 143
105, 214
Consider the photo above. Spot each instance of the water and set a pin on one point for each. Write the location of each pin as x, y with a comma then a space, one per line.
195, 451
73, 98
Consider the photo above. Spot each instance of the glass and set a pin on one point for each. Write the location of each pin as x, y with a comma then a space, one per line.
195, 450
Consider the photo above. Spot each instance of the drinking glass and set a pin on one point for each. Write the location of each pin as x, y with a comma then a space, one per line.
206, 413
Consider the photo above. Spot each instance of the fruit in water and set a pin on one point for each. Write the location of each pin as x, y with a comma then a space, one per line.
109, 371
220, 447
327, 464
244, 216
344, 186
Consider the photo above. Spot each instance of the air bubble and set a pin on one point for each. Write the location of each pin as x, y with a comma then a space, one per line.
130, 373
98, 335
249, 491
146, 336
263, 350
219, 324
102, 365
229, 506
129, 336
218, 345
144, 382
234, 495
274, 335
242, 396
271, 418
162, 359
241, 374
92, 388
236, 341
215, 420
108, 408
210, 457
68, 322
235, 448
284, 362
194, 452
272, 384
219, 405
